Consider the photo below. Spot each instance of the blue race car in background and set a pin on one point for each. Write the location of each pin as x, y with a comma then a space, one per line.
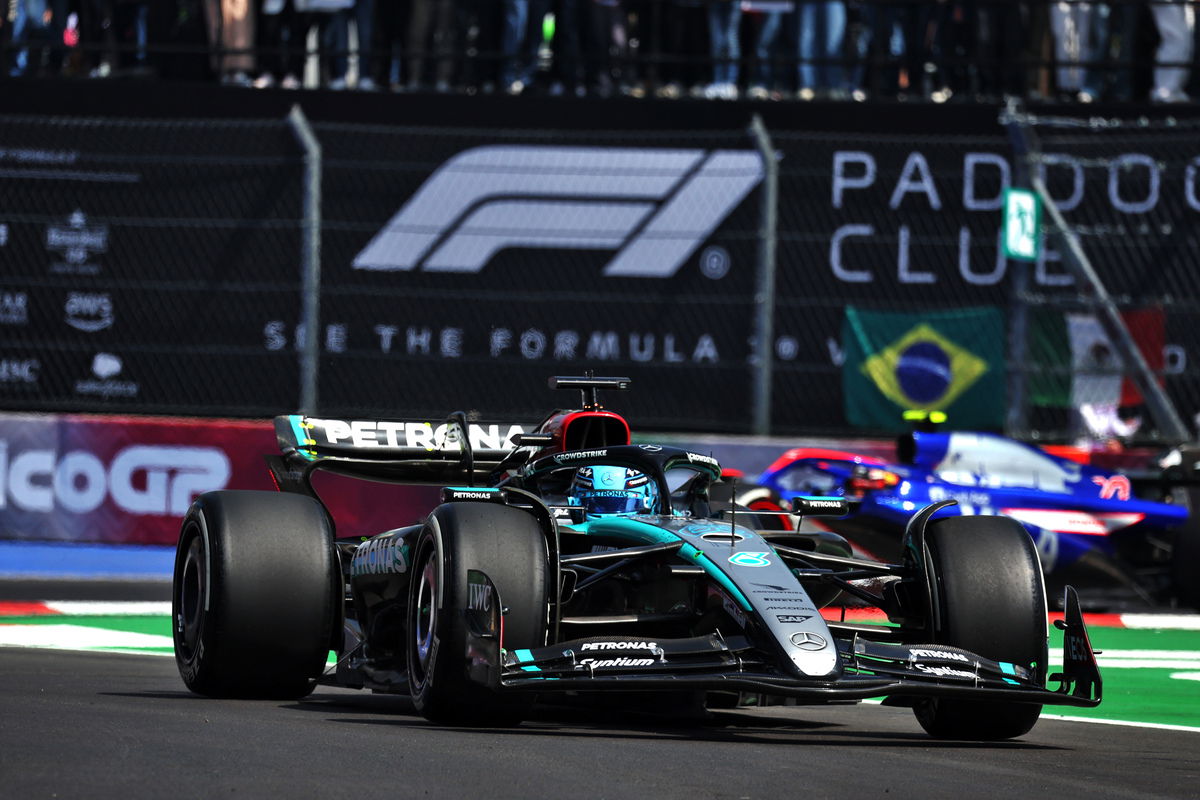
1091, 528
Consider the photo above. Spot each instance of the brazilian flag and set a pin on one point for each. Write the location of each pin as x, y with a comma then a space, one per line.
951, 361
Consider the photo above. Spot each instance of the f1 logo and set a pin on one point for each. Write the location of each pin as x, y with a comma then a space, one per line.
654, 206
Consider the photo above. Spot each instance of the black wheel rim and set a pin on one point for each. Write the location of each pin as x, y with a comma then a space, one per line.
425, 616
189, 601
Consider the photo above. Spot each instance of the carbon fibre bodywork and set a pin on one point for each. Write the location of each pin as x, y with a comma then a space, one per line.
681, 599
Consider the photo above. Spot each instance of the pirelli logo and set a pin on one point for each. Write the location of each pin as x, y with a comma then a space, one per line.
655, 207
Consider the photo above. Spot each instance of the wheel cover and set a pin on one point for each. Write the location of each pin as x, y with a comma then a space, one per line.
189, 619
425, 617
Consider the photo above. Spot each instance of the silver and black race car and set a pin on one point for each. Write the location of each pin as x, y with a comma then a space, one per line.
564, 560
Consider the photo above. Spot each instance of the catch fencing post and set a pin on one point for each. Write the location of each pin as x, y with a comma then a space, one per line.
310, 276
764, 289
1029, 154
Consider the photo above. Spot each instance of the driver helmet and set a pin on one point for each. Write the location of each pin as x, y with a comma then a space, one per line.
613, 491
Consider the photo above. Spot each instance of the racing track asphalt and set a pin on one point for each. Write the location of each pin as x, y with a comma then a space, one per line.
103, 725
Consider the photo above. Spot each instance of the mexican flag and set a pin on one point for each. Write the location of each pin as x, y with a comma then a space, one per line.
950, 361
1073, 362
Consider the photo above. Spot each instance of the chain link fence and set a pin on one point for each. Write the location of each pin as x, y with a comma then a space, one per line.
159, 267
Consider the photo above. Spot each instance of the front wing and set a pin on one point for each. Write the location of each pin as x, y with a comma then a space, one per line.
870, 669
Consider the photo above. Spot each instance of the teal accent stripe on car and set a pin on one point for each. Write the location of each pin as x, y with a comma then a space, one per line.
1009, 669
297, 431
647, 533
526, 655
687, 551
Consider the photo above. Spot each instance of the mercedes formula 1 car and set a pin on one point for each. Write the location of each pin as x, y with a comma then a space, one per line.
565, 561
1092, 528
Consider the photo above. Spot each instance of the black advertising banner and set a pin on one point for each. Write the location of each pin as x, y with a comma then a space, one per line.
155, 266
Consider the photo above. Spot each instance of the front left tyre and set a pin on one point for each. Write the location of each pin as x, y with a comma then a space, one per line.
254, 595
506, 545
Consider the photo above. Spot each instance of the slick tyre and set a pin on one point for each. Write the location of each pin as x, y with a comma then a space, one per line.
254, 595
1185, 556
992, 597
752, 497
508, 546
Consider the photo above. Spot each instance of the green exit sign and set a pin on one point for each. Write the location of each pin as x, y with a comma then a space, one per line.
1022, 224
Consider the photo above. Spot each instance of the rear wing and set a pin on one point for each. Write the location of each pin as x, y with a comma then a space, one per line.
416, 451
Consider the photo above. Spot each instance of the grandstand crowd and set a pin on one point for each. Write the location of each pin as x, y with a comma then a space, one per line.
937, 50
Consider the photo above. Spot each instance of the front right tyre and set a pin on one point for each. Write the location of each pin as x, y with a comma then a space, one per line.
992, 601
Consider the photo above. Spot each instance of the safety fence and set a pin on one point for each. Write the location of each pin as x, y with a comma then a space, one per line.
771, 281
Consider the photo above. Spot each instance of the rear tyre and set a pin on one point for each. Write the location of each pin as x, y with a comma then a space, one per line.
254, 595
1185, 556
508, 546
752, 497
992, 597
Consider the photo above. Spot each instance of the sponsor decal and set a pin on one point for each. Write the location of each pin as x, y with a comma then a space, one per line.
142, 479
807, 640
423, 435
381, 556
1117, 486
942, 654
792, 618
811, 503
796, 602
695, 458
89, 311
19, 371
651, 448
619, 645
790, 607
945, 672
481, 597
14, 308
779, 589
654, 206
530, 344
748, 559
76, 242
106, 368
581, 455
469, 494
597, 663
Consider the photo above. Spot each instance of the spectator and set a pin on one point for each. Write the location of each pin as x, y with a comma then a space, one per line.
231, 38
954, 49
360, 14
483, 26
1113, 34
820, 36
431, 34
33, 22
606, 46
683, 48
281, 34
522, 38
390, 24
768, 16
568, 76
1175, 21
1071, 25
724, 20
1001, 36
